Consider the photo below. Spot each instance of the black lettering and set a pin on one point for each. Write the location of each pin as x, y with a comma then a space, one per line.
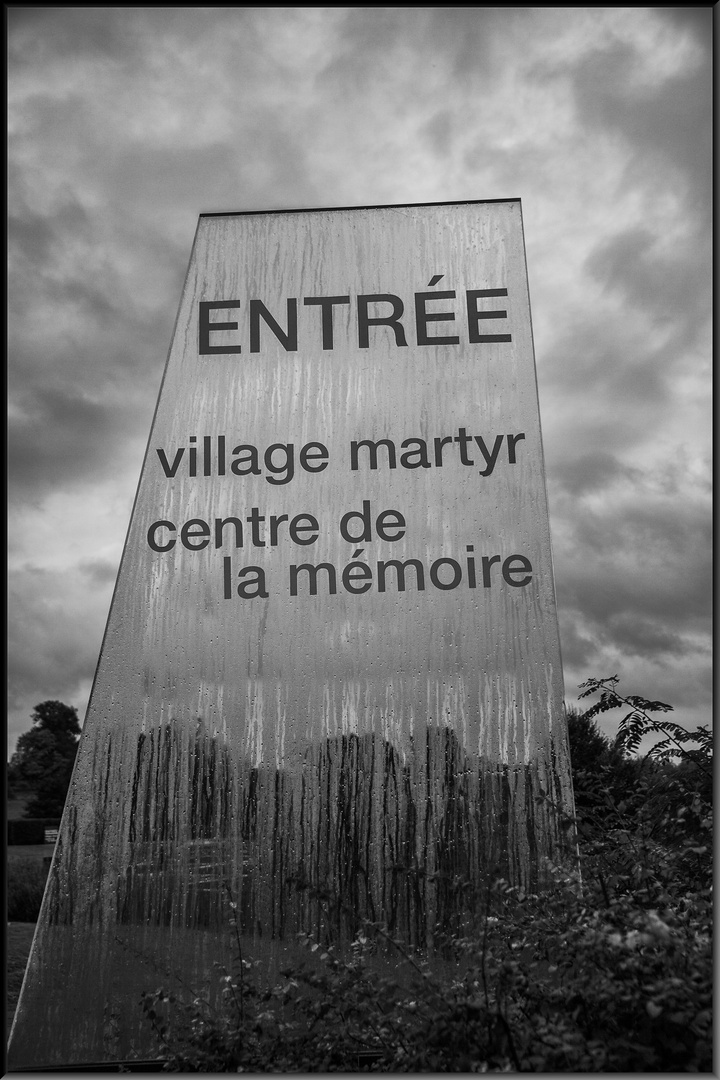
366, 534
423, 317
523, 568
169, 469
306, 457
435, 574
255, 519
312, 573
357, 572
393, 320
487, 562
471, 566
475, 315
463, 439
153, 530
400, 568
385, 521
326, 304
372, 452
511, 440
258, 582
250, 455
296, 528
439, 443
288, 339
220, 524
276, 520
189, 533
421, 455
490, 458
205, 327
249, 589
287, 467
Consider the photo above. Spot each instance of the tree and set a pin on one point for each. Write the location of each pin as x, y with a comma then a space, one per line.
44, 758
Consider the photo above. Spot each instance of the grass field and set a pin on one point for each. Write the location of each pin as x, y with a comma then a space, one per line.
19, 940
38, 852
19, 934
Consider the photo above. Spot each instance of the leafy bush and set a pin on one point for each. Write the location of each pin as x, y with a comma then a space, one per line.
611, 976
655, 832
25, 887
547, 984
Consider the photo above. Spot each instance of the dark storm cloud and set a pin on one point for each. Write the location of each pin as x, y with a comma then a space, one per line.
62, 439
128, 122
84, 370
99, 571
44, 33
587, 473
643, 637
440, 131
165, 80
590, 469
80, 300
34, 237
699, 20
665, 126
462, 39
673, 287
606, 373
470, 35
94, 288
112, 34
51, 649
634, 576
579, 649
232, 175
62, 265
173, 174
38, 239
651, 564
72, 419
682, 680
88, 342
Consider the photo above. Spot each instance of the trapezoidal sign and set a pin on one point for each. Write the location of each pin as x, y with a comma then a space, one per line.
331, 665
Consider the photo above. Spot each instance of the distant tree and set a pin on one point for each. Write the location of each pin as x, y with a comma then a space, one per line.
44, 758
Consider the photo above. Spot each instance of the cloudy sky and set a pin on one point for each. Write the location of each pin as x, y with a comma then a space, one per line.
126, 123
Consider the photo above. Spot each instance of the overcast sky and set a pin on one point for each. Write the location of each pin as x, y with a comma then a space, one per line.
126, 123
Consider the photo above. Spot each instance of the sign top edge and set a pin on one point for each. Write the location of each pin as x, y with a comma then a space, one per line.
381, 206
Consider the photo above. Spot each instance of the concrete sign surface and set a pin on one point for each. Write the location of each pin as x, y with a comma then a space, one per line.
332, 659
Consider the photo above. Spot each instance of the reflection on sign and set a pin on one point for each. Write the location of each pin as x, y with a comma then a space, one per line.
330, 686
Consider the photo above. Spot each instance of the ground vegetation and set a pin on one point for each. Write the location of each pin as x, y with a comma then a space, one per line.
609, 970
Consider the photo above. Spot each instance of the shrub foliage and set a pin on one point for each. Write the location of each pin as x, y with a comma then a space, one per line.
610, 970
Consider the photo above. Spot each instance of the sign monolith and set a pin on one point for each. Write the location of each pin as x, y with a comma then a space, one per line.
331, 665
